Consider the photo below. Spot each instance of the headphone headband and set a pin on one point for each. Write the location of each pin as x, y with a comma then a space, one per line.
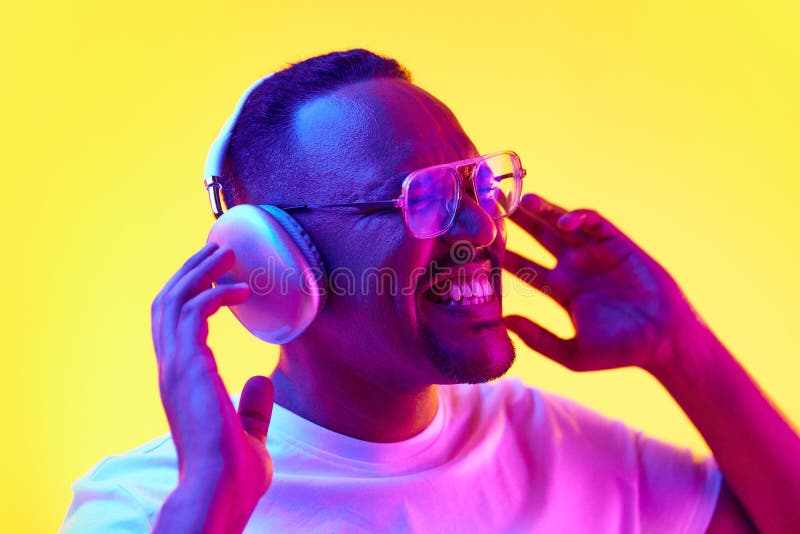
218, 154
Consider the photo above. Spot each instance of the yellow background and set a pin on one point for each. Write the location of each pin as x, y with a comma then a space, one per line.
678, 120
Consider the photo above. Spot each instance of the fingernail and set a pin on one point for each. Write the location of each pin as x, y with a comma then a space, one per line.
564, 222
571, 221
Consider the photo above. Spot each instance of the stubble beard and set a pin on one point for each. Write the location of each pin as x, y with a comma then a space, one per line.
470, 366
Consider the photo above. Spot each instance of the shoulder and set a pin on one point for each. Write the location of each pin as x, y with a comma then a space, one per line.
147, 463
535, 410
123, 492
580, 448
560, 432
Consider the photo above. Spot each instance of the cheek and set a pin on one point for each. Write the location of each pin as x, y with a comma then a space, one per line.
411, 261
373, 265
367, 266
345, 245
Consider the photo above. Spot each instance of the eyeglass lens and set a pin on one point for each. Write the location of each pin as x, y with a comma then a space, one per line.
432, 196
497, 184
431, 201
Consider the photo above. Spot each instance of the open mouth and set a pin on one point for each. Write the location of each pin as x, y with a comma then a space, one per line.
462, 291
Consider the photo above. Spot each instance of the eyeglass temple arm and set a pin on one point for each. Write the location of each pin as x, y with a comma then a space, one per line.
522, 173
214, 188
365, 206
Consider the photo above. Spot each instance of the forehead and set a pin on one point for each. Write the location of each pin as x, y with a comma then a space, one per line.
376, 131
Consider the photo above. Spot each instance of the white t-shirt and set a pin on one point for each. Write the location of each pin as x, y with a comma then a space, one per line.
498, 457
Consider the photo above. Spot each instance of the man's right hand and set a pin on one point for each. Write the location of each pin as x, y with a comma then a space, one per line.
224, 467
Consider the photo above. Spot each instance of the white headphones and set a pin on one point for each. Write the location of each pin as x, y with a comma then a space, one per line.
274, 255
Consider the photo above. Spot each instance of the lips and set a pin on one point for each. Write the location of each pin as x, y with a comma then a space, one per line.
462, 293
462, 285
450, 303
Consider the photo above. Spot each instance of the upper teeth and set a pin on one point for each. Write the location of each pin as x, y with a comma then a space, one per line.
477, 288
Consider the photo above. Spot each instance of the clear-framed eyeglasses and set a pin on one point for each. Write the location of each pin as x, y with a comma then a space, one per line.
431, 197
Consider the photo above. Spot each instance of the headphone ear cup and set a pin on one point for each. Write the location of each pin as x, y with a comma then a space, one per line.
281, 265
306, 246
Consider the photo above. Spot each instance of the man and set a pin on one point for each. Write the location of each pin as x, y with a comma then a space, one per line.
383, 417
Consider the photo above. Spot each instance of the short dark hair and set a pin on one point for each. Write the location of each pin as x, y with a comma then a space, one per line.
262, 134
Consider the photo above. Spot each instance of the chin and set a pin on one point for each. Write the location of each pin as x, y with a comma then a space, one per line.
472, 359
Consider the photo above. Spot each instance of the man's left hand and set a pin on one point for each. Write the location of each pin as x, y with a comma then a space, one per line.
626, 309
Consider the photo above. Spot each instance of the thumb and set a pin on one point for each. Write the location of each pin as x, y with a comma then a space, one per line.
255, 407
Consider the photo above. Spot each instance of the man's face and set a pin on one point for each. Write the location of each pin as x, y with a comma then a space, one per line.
383, 320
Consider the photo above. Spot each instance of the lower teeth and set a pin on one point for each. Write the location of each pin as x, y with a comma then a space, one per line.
466, 301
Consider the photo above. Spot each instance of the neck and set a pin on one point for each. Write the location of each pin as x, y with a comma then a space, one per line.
347, 402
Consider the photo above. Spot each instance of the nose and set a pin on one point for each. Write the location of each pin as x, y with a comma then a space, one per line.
472, 224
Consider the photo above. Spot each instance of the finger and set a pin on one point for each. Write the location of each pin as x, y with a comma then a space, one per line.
189, 286
201, 277
192, 331
192, 391
188, 265
156, 310
541, 340
571, 221
540, 231
611, 246
542, 209
540, 219
526, 270
590, 222
255, 407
